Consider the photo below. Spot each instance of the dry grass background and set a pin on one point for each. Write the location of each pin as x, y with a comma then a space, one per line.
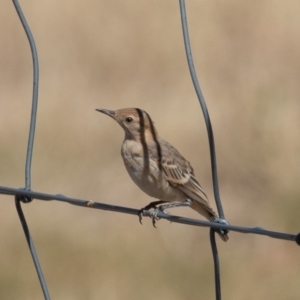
115, 54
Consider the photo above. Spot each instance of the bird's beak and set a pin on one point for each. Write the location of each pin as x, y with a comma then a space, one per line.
108, 112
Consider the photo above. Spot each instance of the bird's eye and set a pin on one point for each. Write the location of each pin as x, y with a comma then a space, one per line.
128, 120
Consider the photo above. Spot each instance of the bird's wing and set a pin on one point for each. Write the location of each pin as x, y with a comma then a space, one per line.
184, 179
179, 172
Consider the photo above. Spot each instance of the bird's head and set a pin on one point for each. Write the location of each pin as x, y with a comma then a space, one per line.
136, 123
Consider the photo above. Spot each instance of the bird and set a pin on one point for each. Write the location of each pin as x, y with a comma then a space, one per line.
157, 168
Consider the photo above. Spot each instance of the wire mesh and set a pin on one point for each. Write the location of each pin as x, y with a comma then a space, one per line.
26, 195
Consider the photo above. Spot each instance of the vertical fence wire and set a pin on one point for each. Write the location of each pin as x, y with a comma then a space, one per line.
18, 199
34, 94
214, 249
189, 56
32, 249
203, 106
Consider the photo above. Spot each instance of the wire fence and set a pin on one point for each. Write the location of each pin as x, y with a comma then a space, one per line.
26, 195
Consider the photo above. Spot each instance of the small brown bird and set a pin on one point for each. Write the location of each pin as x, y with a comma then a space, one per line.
157, 167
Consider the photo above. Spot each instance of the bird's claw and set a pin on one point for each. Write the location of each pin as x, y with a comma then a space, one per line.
152, 214
154, 217
141, 214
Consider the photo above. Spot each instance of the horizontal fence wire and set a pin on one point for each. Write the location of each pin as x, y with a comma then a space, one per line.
27, 195
133, 211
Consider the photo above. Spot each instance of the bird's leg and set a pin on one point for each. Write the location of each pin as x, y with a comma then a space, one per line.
148, 207
187, 202
162, 208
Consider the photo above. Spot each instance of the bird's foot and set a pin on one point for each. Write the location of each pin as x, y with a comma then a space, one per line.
141, 212
153, 214
161, 208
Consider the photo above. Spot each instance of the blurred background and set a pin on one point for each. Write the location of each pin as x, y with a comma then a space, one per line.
115, 54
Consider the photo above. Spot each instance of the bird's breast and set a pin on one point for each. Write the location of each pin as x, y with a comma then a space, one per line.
144, 171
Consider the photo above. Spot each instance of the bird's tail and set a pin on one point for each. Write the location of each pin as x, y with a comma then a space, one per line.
223, 236
210, 215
